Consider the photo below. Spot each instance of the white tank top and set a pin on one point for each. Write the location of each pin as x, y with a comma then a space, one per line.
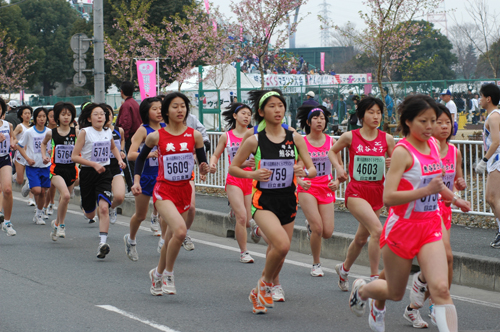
20, 135
5, 145
487, 138
97, 147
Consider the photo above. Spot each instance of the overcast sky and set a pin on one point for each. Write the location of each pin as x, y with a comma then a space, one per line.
342, 11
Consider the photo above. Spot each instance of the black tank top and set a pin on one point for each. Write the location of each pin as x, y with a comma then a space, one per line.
117, 138
62, 147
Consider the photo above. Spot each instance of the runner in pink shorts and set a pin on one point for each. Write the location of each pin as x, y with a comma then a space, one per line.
317, 195
239, 191
413, 227
368, 149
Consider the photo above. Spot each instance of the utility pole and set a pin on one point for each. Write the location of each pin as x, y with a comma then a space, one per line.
99, 73
325, 32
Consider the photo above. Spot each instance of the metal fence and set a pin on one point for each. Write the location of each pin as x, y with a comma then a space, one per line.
472, 151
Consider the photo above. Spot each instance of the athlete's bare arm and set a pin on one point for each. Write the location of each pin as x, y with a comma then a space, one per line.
493, 126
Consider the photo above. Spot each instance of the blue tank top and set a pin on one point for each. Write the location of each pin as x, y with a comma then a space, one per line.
151, 164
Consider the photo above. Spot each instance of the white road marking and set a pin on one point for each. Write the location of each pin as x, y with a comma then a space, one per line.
131, 316
287, 261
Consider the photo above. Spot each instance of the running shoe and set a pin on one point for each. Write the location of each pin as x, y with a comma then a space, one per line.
496, 242
53, 233
2, 217
38, 220
278, 293
102, 250
8, 229
25, 190
44, 214
160, 245
155, 284
72, 194
112, 215
317, 271
308, 228
61, 231
417, 292
50, 209
129, 195
413, 316
257, 307
343, 280
155, 225
31, 202
246, 258
264, 294
356, 304
130, 249
432, 315
376, 318
168, 285
188, 243
254, 228
91, 221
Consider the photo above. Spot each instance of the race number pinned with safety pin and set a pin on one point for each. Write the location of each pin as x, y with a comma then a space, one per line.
63, 154
5, 144
427, 203
368, 168
101, 151
178, 167
282, 173
323, 165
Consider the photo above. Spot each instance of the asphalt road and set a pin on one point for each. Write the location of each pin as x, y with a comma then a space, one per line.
62, 286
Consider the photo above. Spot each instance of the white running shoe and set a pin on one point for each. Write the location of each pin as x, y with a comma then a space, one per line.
155, 284
44, 214
188, 243
417, 292
61, 231
102, 250
432, 315
31, 202
8, 229
356, 304
317, 271
91, 221
308, 228
53, 233
50, 209
413, 316
343, 278
112, 215
253, 229
246, 258
376, 318
25, 190
168, 285
160, 245
278, 293
130, 249
155, 225
38, 220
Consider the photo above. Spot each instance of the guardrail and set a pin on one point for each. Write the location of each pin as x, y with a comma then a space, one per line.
472, 151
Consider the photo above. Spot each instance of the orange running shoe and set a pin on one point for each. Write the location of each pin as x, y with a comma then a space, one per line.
257, 308
264, 291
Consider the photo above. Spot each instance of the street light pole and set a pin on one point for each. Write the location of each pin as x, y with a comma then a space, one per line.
99, 87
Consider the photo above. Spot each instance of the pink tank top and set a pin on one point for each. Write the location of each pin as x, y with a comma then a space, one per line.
232, 146
449, 165
423, 170
321, 161
367, 158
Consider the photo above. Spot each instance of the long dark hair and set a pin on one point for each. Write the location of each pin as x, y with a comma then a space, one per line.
255, 97
83, 121
145, 106
233, 109
3, 106
35, 115
168, 100
411, 107
306, 112
21, 109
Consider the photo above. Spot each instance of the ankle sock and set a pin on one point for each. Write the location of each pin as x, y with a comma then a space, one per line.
104, 236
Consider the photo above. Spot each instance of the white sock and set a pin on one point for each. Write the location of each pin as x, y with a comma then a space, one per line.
166, 273
162, 242
6, 222
104, 237
39, 212
498, 223
446, 317
157, 275
132, 242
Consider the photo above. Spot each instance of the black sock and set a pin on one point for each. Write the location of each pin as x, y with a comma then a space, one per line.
409, 308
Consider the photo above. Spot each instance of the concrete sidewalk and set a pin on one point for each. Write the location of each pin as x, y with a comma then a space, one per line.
476, 264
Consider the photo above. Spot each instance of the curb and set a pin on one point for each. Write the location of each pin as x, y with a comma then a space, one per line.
468, 270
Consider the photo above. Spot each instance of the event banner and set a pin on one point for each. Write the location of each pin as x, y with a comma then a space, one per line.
276, 80
337, 79
146, 75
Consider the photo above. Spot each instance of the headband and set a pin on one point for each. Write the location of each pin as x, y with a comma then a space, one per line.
237, 108
267, 95
87, 103
314, 110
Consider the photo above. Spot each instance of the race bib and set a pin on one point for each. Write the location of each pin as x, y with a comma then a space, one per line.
323, 166
63, 154
449, 180
5, 145
427, 203
368, 168
37, 144
232, 152
178, 167
101, 151
118, 144
153, 162
282, 175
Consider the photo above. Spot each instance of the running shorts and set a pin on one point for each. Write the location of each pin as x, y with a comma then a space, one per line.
373, 194
244, 184
322, 193
69, 174
405, 237
179, 195
493, 163
446, 214
5, 161
148, 184
115, 169
94, 186
38, 177
283, 206
455, 129
20, 159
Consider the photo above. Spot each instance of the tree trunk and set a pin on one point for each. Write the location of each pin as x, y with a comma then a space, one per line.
261, 69
379, 82
46, 88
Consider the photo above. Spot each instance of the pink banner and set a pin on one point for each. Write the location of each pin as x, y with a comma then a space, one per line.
146, 75
322, 57
368, 87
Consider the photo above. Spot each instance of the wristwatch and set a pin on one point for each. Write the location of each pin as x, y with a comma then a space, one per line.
485, 159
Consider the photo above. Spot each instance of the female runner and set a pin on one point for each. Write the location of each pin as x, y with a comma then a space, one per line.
7, 143
48, 207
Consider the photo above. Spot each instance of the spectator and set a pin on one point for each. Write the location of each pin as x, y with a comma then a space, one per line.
340, 108
353, 118
129, 120
301, 61
325, 103
452, 107
389, 104
11, 115
475, 109
193, 122
310, 99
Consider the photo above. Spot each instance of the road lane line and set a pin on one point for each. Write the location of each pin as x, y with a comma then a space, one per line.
131, 316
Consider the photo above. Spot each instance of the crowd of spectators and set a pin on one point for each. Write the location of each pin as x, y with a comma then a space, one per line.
275, 63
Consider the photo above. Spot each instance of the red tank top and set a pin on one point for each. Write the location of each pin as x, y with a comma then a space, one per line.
175, 156
367, 158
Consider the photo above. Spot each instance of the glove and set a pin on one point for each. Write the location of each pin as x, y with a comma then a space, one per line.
207, 146
481, 167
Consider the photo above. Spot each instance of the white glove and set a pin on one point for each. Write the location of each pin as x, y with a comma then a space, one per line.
481, 167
